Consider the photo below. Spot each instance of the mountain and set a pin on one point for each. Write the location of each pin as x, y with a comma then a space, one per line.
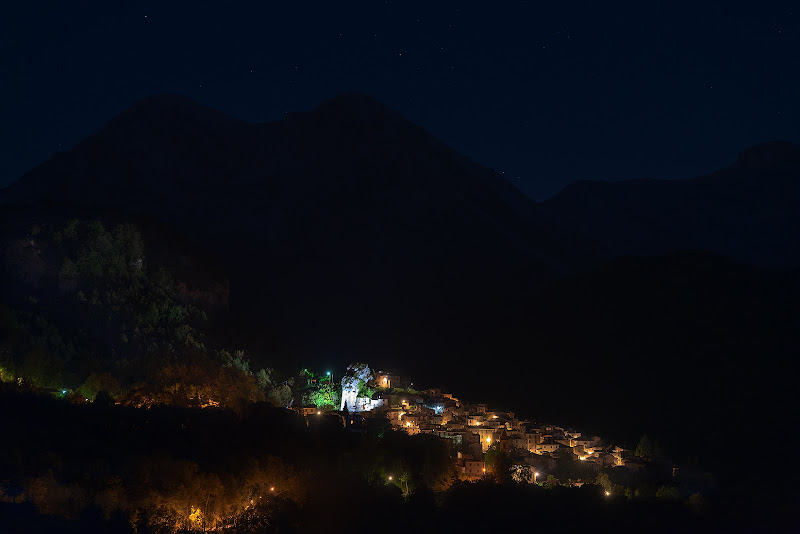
346, 230
347, 233
749, 211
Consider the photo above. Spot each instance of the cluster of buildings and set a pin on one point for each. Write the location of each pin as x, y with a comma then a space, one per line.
473, 429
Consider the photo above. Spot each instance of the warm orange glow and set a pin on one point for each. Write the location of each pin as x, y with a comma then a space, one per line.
488, 440
608, 493
390, 477
272, 488
319, 413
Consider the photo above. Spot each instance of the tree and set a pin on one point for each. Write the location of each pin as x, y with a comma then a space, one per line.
326, 396
281, 395
238, 361
264, 379
521, 473
404, 477
500, 464
668, 493
645, 448
364, 390
605, 481
100, 382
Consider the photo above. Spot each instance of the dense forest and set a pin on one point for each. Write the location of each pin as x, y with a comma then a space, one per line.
87, 310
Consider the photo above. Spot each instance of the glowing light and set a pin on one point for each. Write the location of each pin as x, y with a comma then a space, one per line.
582, 458
328, 373
318, 413
272, 488
63, 391
494, 417
608, 493
488, 440
484, 469
390, 477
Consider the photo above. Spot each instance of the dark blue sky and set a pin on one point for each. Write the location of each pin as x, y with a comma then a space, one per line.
547, 93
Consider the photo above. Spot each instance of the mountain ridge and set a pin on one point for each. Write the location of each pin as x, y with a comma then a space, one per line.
369, 239
749, 211
347, 211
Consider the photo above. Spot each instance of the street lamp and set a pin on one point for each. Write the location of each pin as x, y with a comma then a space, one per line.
535, 475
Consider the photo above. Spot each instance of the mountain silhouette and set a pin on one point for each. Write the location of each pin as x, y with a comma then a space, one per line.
749, 211
348, 233
346, 228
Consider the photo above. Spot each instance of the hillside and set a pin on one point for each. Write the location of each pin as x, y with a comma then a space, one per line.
688, 347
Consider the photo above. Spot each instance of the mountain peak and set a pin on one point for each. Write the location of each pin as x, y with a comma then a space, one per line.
354, 114
163, 109
356, 104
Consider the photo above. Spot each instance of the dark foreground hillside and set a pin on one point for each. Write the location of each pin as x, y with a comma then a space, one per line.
107, 468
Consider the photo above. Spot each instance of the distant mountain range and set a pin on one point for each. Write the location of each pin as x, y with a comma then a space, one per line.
749, 211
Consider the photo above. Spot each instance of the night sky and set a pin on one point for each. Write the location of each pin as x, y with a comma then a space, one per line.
545, 92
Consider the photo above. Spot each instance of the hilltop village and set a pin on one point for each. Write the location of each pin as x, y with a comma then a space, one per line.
534, 452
